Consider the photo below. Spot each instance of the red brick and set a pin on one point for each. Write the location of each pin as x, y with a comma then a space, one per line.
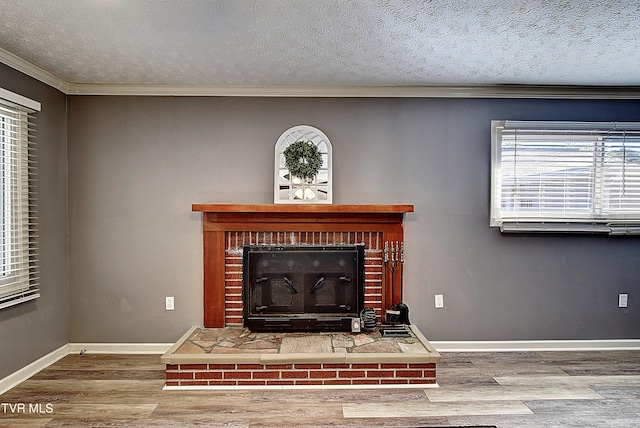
278, 366
280, 382
179, 375
337, 382
172, 367
233, 305
252, 382
307, 366
237, 375
194, 383
222, 383
429, 373
351, 373
323, 374
172, 383
364, 366
380, 373
392, 366
261, 374
409, 373
308, 382
232, 275
193, 367
222, 366
393, 381
208, 375
424, 380
335, 366
365, 382
250, 367
295, 375
422, 366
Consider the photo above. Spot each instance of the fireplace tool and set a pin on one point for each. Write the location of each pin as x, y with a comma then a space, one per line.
398, 316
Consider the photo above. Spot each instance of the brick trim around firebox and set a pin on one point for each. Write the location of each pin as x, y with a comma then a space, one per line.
236, 240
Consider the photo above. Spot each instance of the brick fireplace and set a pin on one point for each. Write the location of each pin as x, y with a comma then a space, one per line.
224, 355
228, 228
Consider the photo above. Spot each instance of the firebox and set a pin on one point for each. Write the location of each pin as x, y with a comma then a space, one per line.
302, 288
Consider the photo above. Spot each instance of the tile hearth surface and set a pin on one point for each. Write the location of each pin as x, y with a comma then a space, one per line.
233, 343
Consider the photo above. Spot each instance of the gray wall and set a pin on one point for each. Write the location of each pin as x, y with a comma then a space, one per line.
32, 330
136, 164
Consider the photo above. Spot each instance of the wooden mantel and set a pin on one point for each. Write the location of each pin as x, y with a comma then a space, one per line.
303, 208
218, 216
221, 218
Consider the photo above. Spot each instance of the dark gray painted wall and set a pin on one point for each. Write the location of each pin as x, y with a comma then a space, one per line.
136, 164
32, 330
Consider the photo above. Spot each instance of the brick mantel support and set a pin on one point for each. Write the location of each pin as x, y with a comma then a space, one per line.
218, 219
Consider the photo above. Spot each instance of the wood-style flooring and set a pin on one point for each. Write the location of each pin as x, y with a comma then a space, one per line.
515, 389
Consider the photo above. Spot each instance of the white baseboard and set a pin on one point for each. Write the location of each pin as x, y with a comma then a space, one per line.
26, 372
535, 345
441, 346
119, 348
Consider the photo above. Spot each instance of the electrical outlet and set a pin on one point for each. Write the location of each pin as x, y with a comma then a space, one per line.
623, 299
439, 301
169, 304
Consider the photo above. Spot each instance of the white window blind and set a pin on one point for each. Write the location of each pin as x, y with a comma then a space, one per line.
18, 236
566, 177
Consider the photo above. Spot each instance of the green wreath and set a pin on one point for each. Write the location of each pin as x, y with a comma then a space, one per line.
303, 159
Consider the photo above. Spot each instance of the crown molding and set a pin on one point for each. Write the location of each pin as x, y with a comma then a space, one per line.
32, 70
490, 91
500, 91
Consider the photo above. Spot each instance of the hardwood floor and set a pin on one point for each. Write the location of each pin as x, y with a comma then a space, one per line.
516, 389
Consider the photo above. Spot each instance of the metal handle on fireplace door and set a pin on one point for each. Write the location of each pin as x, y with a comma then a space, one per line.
290, 284
319, 283
345, 279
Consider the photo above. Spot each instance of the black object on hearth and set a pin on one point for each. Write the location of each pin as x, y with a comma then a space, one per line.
302, 288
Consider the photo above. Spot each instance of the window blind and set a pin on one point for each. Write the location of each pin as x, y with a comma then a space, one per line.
18, 222
566, 176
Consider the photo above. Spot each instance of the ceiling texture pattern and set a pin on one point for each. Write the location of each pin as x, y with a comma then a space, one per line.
352, 43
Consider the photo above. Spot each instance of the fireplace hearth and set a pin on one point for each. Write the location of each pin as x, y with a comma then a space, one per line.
302, 288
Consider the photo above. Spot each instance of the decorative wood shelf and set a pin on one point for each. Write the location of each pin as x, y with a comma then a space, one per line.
300, 208
221, 218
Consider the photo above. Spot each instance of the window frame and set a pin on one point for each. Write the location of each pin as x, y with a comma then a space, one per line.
18, 223
527, 160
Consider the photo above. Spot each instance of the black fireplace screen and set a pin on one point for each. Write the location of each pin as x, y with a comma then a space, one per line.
302, 287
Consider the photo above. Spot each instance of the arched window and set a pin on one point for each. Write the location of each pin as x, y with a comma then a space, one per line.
289, 188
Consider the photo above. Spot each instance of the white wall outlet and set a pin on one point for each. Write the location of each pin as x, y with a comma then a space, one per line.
169, 303
623, 299
439, 301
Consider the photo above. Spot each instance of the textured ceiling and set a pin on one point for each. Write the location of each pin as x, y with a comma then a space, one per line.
327, 42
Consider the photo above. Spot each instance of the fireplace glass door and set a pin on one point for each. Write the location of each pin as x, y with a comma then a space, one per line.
302, 287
